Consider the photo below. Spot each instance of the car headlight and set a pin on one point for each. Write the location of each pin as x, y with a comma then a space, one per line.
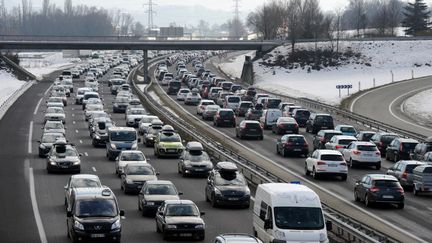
171, 226
129, 181
217, 191
247, 191
116, 225
134, 146
78, 225
42, 146
77, 162
151, 138
52, 162
279, 235
115, 104
113, 146
199, 226
323, 238
97, 136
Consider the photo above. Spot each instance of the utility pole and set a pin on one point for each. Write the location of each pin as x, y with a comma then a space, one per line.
150, 12
236, 21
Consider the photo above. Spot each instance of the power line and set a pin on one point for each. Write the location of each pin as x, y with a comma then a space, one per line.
236, 9
150, 12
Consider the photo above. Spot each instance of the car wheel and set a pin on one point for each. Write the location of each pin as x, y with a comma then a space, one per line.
307, 172
401, 205
351, 163
165, 235
277, 149
213, 201
344, 177
157, 228
314, 174
378, 166
356, 196
285, 153
367, 202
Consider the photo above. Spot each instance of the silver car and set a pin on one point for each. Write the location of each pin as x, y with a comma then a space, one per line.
403, 171
135, 175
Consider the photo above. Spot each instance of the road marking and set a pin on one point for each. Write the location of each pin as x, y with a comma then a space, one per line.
30, 138
35, 207
80, 141
46, 91
94, 169
403, 120
76, 131
73, 122
37, 106
86, 154
73, 114
73, 108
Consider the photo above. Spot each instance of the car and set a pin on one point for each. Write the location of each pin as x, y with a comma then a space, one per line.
92, 108
285, 125
202, 105
99, 131
168, 143
422, 179
93, 101
55, 114
326, 162
134, 176
181, 95
347, 130
421, 149
227, 186
126, 157
120, 104
79, 181
134, 116
323, 137
54, 126
213, 93
236, 238
259, 95
47, 141
382, 140
243, 107
154, 193
301, 116
360, 153
365, 136
400, 149
235, 87
251, 129
272, 103
55, 102
403, 171
152, 132
134, 103
180, 218
269, 117
97, 115
121, 139
94, 214
92, 84
253, 114
194, 161
224, 117
116, 84
192, 98
226, 85
145, 123
63, 157
339, 142
427, 157
209, 112
87, 96
173, 87
378, 188
220, 99
292, 144
319, 121
231, 102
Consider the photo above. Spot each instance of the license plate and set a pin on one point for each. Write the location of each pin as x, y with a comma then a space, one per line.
323, 128
97, 235
64, 166
171, 150
387, 196
186, 234
367, 155
252, 130
227, 121
297, 150
233, 199
199, 169
332, 165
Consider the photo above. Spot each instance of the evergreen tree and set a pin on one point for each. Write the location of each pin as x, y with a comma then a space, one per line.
416, 18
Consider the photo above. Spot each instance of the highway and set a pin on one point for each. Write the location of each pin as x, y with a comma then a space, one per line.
16, 203
385, 104
408, 219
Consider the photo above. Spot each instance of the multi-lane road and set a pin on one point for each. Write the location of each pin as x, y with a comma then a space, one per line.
414, 218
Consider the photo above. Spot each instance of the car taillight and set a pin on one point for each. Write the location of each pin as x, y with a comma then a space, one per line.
305, 145
289, 143
401, 190
296, 125
374, 189
343, 164
339, 146
380, 144
378, 153
401, 148
321, 163
280, 125
404, 175
356, 152
322, 140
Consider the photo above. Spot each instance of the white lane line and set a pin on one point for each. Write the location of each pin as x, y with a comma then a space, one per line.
94, 169
37, 106
76, 131
46, 91
73, 122
80, 141
35, 207
30, 138
73, 114
73, 108
403, 120
86, 154
429, 208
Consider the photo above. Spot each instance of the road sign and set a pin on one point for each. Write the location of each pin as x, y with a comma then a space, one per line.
343, 86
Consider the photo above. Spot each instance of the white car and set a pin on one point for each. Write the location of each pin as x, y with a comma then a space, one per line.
181, 95
92, 84
192, 98
326, 162
339, 142
128, 156
362, 153
80, 181
202, 105
80, 94
92, 108
134, 116
54, 126
55, 114
145, 123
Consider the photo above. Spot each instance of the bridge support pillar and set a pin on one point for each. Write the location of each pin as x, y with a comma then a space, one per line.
145, 67
247, 73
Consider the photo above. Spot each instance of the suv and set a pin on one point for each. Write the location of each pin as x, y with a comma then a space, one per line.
248, 128
382, 140
119, 139
301, 116
323, 137
318, 122
403, 171
168, 143
94, 215
421, 149
224, 117
173, 87
243, 107
400, 148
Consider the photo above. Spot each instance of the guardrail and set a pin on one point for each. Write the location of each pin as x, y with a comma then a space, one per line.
13, 97
344, 226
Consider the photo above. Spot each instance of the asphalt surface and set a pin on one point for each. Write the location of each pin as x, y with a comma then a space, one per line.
414, 218
385, 104
135, 228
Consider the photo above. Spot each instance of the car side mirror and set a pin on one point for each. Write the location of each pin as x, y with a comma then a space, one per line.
329, 225
122, 213
157, 173
268, 224
69, 214
180, 193
65, 187
117, 158
202, 213
160, 213
80, 155
39, 141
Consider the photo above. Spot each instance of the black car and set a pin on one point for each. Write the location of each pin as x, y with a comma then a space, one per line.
365, 136
150, 136
227, 186
47, 142
421, 149
120, 104
285, 125
382, 140
292, 144
376, 188
400, 149
301, 116
180, 218
63, 157
323, 137
249, 129
94, 216
318, 122
194, 162
243, 108
224, 117
173, 87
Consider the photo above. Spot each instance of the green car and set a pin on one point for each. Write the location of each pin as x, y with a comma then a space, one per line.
168, 143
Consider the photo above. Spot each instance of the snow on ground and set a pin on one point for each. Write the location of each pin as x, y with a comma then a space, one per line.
418, 107
234, 66
42, 63
400, 58
8, 85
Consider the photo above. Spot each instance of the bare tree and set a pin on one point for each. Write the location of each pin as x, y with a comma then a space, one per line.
294, 21
395, 16
267, 20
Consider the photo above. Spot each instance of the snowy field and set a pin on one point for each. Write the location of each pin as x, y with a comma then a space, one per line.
42, 63
398, 59
8, 85
419, 107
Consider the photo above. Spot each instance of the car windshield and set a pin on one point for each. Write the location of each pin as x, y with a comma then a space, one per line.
367, 136
344, 141
245, 105
386, 183
302, 113
298, 218
388, 138
332, 157
154, 130
88, 96
230, 179
348, 129
122, 100
226, 113
169, 137
118, 82
85, 182
52, 125
148, 119
50, 138
409, 146
138, 112
65, 151
409, 168
162, 189
132, 157
123, 136
367, 148
296, 139
330, 135
139, 170
212, 108
55, 99
197, 158
324, 119
54, 110
94, 108
175, 84
96, 208
181, 210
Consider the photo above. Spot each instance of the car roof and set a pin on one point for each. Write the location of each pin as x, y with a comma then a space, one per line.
130, 129
344, 126
407, 140
180, 201
251, 121
159, 182
238, 237
328, 151
331, 131
382, 177
411, 162
93, 192
131, 152
363, 143
88, 176
339, 137
139, 164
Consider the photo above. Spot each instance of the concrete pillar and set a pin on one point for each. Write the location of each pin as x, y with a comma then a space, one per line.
247, 75
145, 67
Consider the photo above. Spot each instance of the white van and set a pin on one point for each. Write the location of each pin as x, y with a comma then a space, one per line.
269, 117
288, 213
